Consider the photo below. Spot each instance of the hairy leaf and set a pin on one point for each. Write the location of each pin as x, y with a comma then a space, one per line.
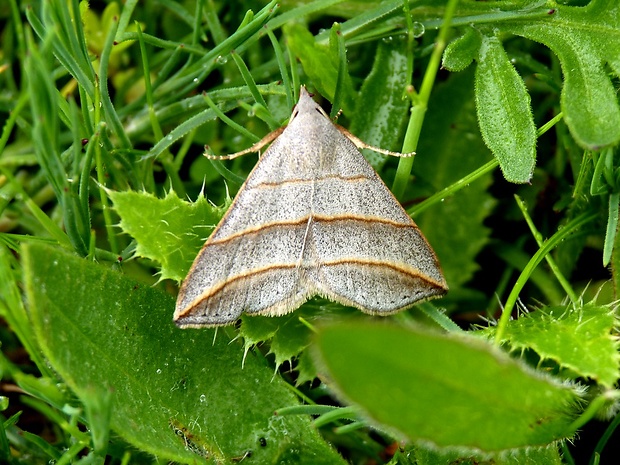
169, 230
581, 339
527, 456
444, 389
584, 39
504, 112
179, 394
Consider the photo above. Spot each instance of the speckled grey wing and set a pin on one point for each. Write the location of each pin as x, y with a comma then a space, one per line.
367, 251
250, 262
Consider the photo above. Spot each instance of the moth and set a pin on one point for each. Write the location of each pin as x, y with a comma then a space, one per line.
312, 219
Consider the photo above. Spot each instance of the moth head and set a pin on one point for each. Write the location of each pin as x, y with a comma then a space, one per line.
306, 105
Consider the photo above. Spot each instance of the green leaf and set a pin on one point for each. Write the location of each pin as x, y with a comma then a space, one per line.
588, 99
306, 370
444, 389
528, 456
320, 63
289, 336
177, 394
381, 113
459, 53
13, 310
450, 147
581, 339
504, 112
169, 230
584, 39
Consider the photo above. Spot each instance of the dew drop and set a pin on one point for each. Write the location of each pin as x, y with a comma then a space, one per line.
418, 29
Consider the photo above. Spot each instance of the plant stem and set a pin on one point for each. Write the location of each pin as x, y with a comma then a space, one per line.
453, 188
552, 264
547, 246
421, 103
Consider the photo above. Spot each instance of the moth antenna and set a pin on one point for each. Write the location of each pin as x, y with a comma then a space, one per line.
360, 144
254, 149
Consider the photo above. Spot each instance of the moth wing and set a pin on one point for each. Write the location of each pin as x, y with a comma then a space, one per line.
250, 263
369, 252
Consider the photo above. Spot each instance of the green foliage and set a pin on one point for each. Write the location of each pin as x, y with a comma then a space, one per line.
290, 334
107, 113
588, 100
531, 456
458, 222
321, 63
506, 124
504, 114
457, 393
169, 230
381, 109
148, 376
578, 338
